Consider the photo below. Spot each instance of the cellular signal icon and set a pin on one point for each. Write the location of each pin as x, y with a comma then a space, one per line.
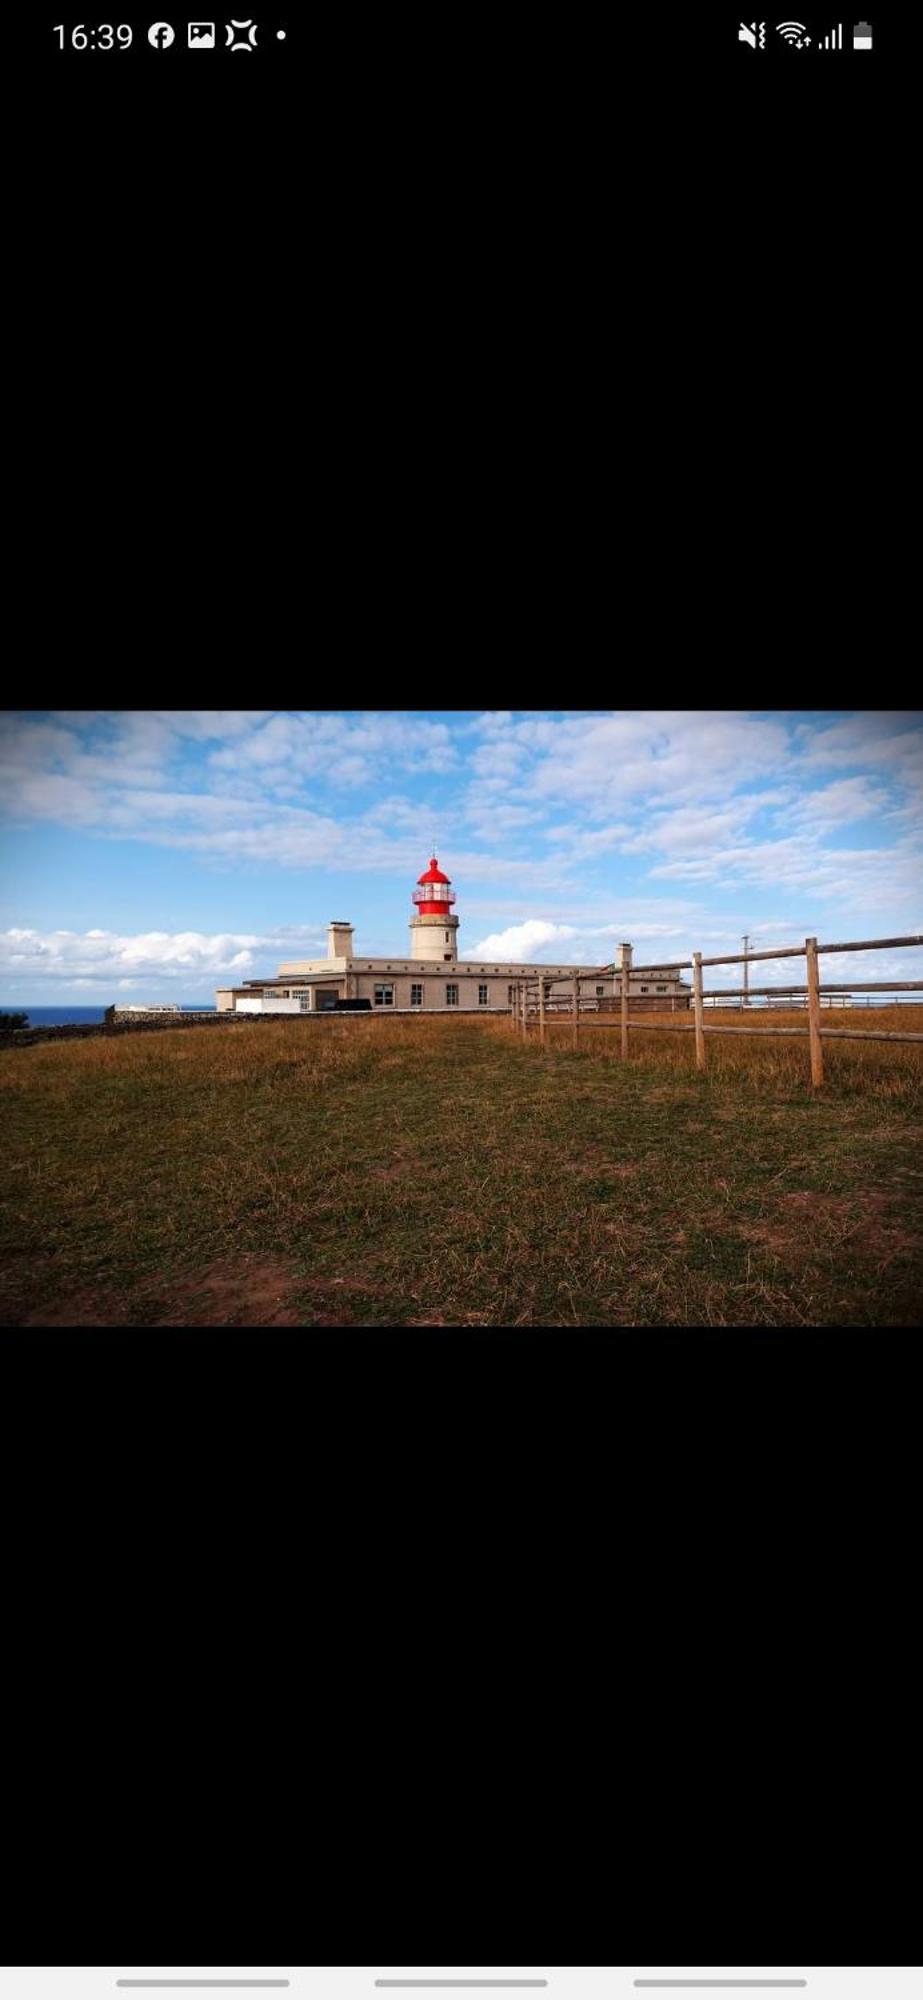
794, 32
834, 40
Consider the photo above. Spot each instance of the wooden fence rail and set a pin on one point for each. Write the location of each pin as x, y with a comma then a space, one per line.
809, 995
827, 986
799, 1034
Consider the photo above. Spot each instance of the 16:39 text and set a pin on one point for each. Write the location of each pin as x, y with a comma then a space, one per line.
103, 37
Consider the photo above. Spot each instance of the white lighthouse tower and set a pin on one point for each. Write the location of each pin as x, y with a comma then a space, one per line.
433, 929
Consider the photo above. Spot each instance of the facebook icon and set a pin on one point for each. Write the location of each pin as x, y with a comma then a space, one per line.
161, 35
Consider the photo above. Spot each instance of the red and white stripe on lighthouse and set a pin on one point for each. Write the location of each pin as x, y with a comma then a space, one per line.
434, 894
433, 928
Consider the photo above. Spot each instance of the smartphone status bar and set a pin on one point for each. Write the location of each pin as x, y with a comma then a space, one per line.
170, 41
554, 1982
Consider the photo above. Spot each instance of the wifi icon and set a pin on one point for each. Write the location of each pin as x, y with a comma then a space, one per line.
794, 32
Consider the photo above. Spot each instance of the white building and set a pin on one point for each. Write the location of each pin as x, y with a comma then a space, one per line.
433, 980
117, 1013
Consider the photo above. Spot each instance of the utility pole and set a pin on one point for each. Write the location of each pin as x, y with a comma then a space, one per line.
746, 945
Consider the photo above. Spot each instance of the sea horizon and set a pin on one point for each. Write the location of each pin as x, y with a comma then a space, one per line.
83, 1016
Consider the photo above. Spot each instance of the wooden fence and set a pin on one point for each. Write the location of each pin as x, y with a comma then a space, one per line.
528, 1008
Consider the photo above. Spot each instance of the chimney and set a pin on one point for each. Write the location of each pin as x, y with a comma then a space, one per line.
339, 940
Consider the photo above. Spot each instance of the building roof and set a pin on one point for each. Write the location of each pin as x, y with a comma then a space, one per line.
334, 968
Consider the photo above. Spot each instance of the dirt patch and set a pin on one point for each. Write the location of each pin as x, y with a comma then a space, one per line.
83, 1308
339, 1285
808, 1222
237, 1291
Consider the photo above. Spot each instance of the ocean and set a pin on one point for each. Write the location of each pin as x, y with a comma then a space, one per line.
60, 1017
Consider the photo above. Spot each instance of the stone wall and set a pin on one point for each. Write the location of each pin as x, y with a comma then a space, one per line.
136, 1024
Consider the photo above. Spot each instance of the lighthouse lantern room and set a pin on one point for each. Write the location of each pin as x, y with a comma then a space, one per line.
433, 929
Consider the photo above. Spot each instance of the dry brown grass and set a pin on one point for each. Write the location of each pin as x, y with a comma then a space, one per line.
877, 1068
441, 1173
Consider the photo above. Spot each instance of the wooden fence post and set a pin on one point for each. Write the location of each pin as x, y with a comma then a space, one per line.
699, 1010
576, 1007
626, 973
522, 1009
817, 1048
541, 1010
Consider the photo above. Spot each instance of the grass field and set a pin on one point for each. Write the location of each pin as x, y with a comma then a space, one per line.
440, 1173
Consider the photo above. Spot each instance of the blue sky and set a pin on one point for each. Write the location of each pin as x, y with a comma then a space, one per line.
154, 854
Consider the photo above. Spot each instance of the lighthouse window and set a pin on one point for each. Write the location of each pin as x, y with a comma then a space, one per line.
451, 996
416, 996
447, 937
384, 996
482, 996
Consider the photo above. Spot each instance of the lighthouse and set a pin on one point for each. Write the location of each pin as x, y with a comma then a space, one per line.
433, 929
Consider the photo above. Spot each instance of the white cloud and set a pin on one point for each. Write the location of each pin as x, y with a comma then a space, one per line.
524, 941
493, 718
602, 761
342, 749
840, 803
107, 958
134, 770
205, 724
496, 822
873, 736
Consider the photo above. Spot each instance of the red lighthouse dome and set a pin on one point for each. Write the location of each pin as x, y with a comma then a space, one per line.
433, 895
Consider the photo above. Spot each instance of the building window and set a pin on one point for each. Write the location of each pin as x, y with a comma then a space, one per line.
451, 996
600, 990
304, 1002
416, 996
482, 996
510, 995
384, 996
661, 989
645, 989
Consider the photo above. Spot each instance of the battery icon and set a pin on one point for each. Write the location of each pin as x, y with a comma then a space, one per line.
862, 35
